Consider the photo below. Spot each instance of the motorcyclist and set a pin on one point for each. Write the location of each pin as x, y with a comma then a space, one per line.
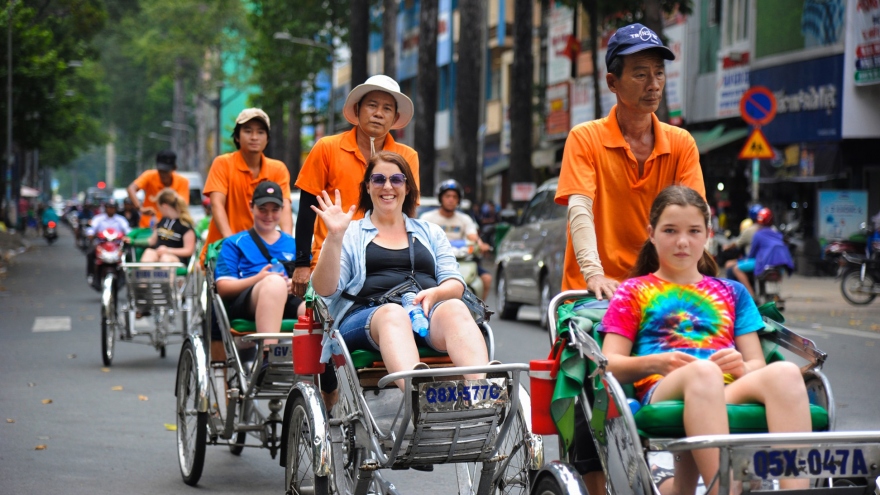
49, 215
110, 219
458, 225
768, 249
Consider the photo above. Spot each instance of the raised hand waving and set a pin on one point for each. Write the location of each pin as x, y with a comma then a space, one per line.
335, 219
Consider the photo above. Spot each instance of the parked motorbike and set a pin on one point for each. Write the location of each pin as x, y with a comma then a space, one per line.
466, 253
108, 260
860, 279
50, 232
835, 249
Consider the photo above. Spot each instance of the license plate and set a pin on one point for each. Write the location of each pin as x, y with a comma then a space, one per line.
158, 275
280, 353
807, 462
462, 395
771, 287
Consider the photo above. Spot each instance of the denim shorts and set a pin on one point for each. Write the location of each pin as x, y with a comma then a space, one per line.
646, 399
355, 330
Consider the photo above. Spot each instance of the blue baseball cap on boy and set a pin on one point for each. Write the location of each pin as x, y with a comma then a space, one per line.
632, 39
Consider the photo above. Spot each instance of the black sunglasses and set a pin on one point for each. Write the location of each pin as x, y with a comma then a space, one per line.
397, 180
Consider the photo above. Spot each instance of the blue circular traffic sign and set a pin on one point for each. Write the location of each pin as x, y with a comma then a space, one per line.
757, 106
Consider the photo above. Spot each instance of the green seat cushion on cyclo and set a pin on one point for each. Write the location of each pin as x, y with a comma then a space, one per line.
665, 419
250, 326
363, 358
140, 238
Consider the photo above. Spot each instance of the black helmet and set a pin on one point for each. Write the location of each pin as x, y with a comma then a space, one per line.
111, 203
448, 184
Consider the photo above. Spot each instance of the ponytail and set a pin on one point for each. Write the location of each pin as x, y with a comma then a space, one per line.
647, 262
707, 265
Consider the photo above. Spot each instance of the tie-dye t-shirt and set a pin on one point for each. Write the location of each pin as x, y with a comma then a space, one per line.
697, 319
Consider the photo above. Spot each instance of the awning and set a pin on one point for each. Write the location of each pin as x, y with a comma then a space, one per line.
717, 137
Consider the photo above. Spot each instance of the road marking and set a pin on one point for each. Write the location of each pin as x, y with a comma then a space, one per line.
824, 331
51, 324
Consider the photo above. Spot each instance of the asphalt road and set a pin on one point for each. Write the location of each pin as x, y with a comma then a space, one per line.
104, 429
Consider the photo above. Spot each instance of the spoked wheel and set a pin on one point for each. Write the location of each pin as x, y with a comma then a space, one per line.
546, 296
855, 290
508, 309
514, 474
299, 472
559, 479
108, 322
192, 425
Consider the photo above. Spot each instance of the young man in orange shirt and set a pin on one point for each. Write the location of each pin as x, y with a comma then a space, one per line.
339, 162
152, 182
612, 169
234, 176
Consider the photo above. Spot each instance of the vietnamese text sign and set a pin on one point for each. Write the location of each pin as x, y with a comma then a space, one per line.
841, 214
559, 28
867, 28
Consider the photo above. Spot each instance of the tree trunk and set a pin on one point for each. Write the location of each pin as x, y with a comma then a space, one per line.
294, 131
467, 100
653, 19
521, 95
426, 97
359, 33
178, 117
389, 38
276, 148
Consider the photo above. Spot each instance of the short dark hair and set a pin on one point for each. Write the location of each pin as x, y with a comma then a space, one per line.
167, 157
365, 202
237, 130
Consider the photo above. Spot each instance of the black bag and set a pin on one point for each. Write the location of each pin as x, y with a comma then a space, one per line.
289, 266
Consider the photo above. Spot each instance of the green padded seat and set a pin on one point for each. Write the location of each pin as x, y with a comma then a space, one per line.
181, 272
363, 358
139, 239
666, 419
249, 326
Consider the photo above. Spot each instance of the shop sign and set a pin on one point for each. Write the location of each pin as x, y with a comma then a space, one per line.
675, 71
444, 32
841, 214
582, 101
732, 83
867, 29
808, 100
560, 24
558, 123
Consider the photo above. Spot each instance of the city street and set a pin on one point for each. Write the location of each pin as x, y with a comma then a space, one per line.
69, 425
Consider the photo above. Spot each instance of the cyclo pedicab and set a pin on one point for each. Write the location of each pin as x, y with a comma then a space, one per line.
482, 426
162, 290
627, 435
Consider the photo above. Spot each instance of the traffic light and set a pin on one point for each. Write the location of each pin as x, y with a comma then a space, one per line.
102, 185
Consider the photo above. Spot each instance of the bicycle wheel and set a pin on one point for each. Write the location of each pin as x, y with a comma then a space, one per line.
192, 425
514, 474
299, 471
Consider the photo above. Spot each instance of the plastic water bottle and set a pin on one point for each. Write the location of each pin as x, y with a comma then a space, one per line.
416, 315
277, 267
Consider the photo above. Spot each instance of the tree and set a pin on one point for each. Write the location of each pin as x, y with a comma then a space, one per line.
359, 40
426, 96
521, 169
467, 96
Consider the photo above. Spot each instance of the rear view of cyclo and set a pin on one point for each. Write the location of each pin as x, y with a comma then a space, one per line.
480, 426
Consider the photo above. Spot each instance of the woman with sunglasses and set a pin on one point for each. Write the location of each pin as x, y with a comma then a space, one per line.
366, 258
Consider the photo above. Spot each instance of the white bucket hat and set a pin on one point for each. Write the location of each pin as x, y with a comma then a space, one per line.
379, 83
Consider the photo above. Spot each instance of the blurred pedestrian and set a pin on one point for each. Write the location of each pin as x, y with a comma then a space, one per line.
612, 169
338, 163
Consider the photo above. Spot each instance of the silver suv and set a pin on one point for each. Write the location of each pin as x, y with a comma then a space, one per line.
529, 261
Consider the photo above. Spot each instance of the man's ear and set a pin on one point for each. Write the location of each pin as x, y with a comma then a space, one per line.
396, 118
611, 81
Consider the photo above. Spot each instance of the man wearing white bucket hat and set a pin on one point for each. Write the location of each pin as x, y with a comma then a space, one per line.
339, 162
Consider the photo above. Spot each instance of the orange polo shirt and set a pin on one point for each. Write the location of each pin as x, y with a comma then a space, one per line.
336, 162
152, 185
231, 176
599, 164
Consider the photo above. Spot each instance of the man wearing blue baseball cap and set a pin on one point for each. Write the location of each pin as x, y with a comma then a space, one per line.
612, 169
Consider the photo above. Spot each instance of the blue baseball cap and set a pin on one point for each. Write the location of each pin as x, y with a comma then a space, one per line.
634, 38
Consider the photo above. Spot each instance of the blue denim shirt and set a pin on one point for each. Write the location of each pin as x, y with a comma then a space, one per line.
353, 269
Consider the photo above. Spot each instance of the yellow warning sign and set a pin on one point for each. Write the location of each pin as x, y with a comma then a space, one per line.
756, 147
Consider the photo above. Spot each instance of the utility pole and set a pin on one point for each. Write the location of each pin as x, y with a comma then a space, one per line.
10, 157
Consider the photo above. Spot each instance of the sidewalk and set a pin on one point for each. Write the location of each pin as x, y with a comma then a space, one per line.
10, 245
815, 302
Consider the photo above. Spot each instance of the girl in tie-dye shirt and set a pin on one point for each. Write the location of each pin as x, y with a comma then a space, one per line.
679, 333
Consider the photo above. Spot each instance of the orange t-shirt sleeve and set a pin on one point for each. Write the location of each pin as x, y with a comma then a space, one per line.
690, 173
145, 178
281, 176
183, 188
218, 177
313, 174
578, 173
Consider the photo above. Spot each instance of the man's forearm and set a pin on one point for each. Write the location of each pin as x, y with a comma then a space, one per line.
305, 228
583, 235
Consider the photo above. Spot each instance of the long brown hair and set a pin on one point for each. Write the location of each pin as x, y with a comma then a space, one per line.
170, 197
648, 260
365, 203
